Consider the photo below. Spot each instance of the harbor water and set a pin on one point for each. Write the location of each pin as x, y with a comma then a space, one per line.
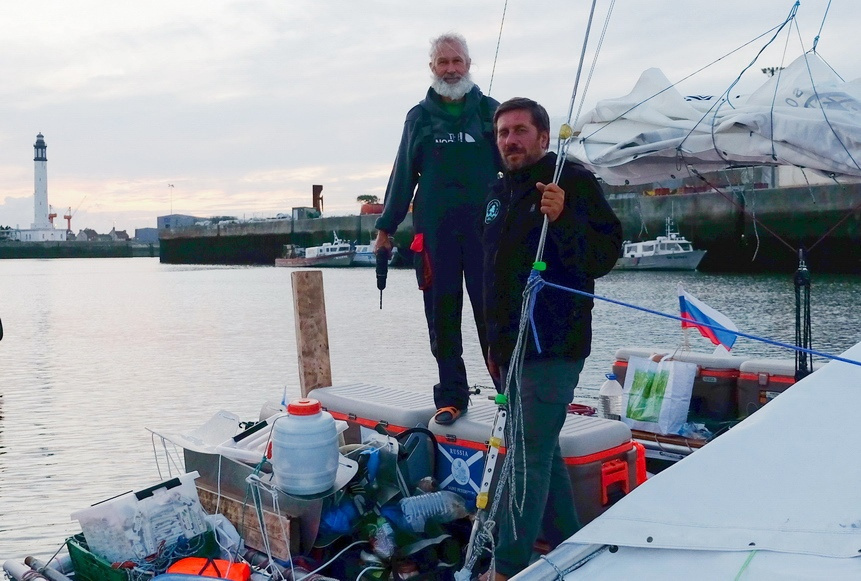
98, 351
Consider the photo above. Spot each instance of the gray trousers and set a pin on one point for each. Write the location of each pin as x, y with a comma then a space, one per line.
547, 387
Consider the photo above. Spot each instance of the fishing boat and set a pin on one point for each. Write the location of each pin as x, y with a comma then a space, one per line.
669, 252
337, 253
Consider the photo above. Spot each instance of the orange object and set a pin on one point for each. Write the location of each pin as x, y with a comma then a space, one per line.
217, 568
613, 471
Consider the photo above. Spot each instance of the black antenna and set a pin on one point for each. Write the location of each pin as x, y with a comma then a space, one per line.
803, 334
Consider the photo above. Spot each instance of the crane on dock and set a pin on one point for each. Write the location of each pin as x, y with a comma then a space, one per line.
69, 214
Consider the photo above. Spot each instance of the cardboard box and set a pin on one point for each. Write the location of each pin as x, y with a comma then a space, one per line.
132, 526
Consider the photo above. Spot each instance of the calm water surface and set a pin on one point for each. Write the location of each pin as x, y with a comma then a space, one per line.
97, 351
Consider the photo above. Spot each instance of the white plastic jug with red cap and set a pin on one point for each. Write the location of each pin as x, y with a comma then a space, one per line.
305, 448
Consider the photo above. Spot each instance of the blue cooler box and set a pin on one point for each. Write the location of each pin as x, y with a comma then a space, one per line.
604, 463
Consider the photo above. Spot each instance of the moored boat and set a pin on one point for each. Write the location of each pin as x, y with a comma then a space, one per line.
366, 256
337, 253
669, 252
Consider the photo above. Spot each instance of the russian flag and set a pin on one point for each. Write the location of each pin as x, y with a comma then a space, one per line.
712, 324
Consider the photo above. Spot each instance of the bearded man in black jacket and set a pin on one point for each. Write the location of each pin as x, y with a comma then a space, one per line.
584, 239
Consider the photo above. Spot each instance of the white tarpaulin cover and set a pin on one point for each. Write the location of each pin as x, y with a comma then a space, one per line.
776, 497
642, 138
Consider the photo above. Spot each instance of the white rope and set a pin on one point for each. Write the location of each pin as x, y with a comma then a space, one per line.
498, 42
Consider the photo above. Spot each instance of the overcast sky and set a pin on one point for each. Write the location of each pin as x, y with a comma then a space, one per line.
243, 105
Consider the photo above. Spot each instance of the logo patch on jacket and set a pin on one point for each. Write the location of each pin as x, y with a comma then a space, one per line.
492, 211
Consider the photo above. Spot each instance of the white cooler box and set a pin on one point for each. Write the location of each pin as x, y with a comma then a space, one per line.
365, 406
604, 463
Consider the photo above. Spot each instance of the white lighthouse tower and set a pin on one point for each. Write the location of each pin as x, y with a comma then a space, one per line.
41, 210
42, 229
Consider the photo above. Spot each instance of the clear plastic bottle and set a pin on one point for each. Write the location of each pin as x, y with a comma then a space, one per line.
610, 396
442, 506
383, 539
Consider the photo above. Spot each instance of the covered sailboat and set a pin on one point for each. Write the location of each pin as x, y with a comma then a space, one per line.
805, 116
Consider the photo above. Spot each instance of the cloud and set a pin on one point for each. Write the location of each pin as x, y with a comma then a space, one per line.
244, 104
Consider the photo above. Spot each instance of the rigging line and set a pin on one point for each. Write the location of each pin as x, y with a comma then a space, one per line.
498, 42
845, 217
822, 109
682, 80
821, 26
594, 62
566, 129
728, 98
827, 64
715, 327
790, 17
744, 210
776, 85
582, 58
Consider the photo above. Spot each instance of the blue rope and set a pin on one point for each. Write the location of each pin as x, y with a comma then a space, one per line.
539, 285
534, 284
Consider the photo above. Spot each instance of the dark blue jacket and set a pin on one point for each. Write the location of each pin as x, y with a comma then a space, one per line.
582, 245
447, 161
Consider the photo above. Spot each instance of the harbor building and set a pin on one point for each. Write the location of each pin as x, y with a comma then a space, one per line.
42, 229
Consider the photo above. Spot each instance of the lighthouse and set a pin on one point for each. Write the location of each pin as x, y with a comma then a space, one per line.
41, 209
42, 229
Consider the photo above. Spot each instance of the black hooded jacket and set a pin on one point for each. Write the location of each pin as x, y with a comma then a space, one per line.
581, 245
448, 161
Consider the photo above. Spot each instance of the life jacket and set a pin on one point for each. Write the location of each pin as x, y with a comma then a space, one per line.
484, 114
219, 568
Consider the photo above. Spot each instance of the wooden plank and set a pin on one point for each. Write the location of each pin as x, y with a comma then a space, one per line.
312, 334
243, 516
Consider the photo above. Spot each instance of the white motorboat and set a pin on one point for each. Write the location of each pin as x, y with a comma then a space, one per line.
669, 252
364, 255
329, 254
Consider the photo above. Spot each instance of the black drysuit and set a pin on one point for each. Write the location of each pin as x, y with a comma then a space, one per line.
445, 165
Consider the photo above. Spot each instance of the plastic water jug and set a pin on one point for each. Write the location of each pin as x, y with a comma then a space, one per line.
610, 396
305, 448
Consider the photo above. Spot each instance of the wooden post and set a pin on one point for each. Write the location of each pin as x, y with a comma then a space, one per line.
312, 335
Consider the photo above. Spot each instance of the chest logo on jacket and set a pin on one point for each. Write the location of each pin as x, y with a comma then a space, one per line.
492, 211
455, 138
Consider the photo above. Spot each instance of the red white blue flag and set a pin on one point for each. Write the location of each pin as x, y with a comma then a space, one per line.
712, 324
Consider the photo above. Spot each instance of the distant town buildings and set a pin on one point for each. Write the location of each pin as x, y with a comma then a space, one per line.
147, 235
176, 221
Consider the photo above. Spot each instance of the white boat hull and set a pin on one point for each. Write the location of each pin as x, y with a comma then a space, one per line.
679, 261
331, 260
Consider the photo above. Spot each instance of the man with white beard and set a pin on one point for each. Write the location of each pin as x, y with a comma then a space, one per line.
446, 161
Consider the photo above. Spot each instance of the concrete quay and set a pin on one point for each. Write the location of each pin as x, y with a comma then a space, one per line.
742, 229
76, 249
261, 242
